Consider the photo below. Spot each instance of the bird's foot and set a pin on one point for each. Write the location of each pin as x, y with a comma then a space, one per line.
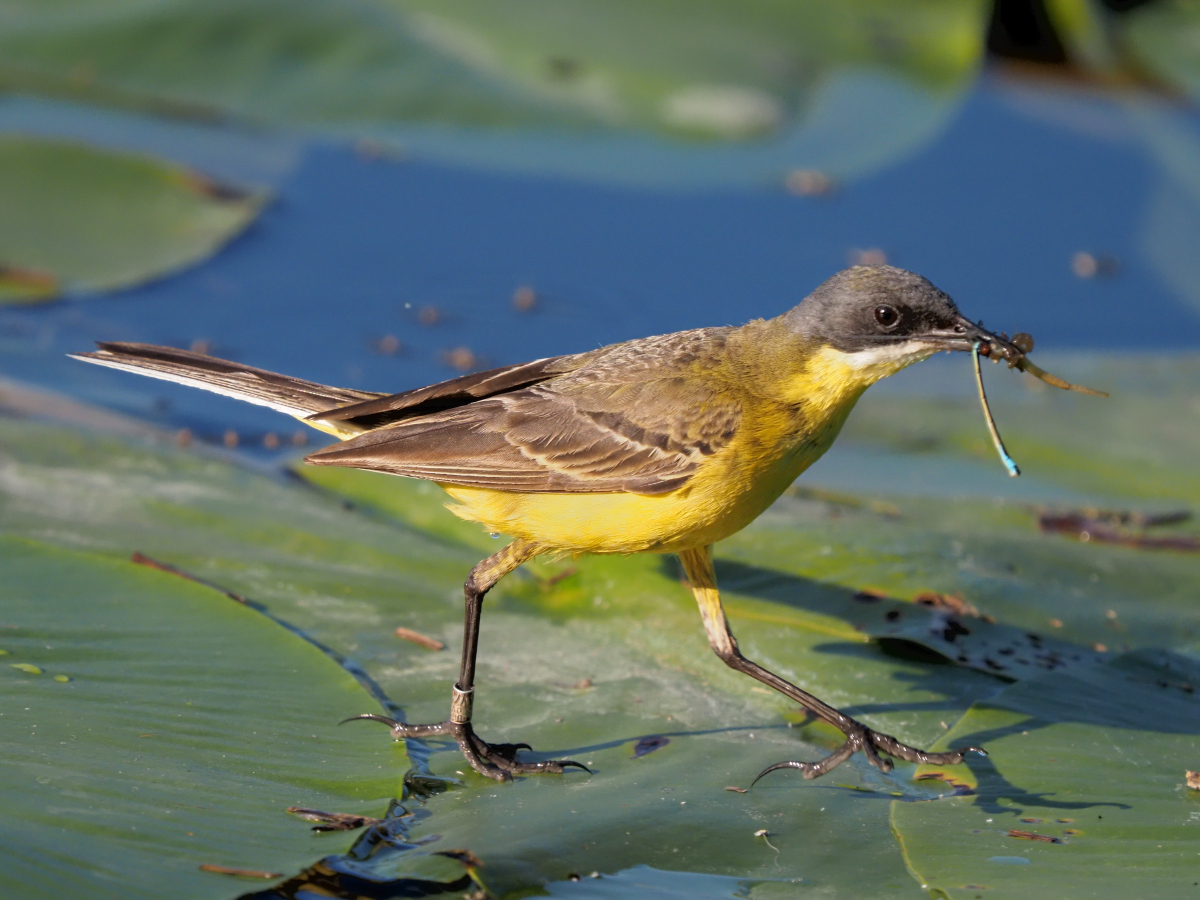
496, 761
871, 743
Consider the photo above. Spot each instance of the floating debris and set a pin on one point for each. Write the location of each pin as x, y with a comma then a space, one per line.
1094, 265
1032, 836
524, 299
809, 183
388, 345
239, 873
872, 256
333, 821
429, 315
764, 834
737, 790
27, 668
271, 441
952, 602
1083, 526
1193, 780
230, 439
461, 358
300, 438
417, 638
200, 345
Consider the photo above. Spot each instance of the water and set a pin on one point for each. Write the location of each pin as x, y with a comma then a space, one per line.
991, 206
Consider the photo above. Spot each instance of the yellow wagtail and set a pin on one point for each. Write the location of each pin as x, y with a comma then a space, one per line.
662, 445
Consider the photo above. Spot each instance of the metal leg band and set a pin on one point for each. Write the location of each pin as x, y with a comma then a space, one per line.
461, 703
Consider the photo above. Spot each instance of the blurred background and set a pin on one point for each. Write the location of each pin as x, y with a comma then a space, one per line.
383, 193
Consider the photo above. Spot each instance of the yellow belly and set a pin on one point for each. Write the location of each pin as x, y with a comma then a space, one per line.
777, 441
728, 492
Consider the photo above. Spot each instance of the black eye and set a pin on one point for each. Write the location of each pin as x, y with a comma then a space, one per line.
887, 316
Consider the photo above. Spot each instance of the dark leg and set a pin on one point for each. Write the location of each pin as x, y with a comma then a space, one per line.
699, 567
496, 761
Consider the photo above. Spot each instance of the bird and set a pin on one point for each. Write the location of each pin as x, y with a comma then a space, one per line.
663, 445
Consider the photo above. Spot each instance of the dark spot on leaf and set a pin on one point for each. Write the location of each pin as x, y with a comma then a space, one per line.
649, 745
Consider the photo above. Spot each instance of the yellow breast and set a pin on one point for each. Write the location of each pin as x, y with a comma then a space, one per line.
789, 420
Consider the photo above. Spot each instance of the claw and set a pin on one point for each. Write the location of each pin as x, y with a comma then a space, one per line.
787, 764
868, 748
561, 764
870, 743
389, 722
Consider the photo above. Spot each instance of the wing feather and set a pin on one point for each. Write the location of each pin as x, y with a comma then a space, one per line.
640, 422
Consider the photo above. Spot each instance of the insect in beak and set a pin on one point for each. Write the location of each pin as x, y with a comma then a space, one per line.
967, 335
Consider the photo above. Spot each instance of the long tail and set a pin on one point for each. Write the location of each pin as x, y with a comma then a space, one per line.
293, 396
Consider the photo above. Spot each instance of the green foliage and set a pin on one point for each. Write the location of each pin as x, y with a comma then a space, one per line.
184, 726
736, 70
1093, 759
79, 219
585, 657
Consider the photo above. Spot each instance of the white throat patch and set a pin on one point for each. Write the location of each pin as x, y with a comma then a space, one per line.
887, 359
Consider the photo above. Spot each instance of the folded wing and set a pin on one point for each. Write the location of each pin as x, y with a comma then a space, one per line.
639, 418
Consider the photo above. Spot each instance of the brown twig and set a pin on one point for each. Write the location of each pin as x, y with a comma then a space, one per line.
422, 640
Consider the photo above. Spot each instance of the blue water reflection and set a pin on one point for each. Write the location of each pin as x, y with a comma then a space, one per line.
355, 246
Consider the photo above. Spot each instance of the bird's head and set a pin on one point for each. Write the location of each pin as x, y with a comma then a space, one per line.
878, 319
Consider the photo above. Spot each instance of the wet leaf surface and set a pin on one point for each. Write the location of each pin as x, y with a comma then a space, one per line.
187, 727
1093, 756
348, 576
80, 220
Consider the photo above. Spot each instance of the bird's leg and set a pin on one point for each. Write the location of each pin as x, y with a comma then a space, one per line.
699, 568
498, 761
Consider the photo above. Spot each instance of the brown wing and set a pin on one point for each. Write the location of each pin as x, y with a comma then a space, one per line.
385, 410
637, 417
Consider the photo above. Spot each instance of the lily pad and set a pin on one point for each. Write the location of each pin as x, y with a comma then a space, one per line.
1085, 782
348, 575
79, 219
187, 726
736, 70
586, 658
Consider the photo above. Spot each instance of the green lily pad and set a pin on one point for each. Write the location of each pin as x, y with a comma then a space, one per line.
80, 219
584, 665
733, 70
594, 658
1087, 767
1133, 445
1162, 37
185, 728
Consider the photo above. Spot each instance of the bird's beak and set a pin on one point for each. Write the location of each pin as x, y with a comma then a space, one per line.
965, 334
